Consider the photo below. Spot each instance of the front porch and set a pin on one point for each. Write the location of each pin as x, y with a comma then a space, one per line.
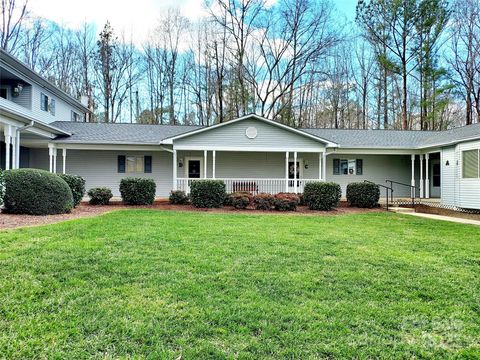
255, 172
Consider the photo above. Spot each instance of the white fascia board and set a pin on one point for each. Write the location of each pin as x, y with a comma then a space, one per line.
374, 151
244, 149
246, 117
117, 147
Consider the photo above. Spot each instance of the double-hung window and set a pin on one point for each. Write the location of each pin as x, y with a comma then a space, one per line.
47, 103
347, 167
134, 164
471, 164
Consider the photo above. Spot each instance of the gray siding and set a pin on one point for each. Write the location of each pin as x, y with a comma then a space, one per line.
100, 167
377, 168
25, 98
234, 135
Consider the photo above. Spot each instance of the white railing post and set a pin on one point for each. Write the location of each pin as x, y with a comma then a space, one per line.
295, 172
174, 174
286, 171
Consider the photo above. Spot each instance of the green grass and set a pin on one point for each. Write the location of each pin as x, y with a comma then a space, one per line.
155, 284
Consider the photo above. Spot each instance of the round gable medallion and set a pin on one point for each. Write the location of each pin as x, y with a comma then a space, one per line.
251, 132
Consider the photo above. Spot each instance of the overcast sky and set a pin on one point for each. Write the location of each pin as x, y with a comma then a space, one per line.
135, 17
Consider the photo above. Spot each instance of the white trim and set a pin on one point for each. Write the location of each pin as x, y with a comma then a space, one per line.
249, 149
7, 130
64, 161
205, 162
214, 157
370, 151
287, 156
174, 167
427, 177
110, 147
247, 117
421, 176
412, 181
324, 167
17, 150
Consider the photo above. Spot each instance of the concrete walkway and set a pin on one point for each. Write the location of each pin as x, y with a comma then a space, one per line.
441, 217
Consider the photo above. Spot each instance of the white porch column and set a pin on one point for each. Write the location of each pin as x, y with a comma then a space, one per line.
205, 158
54, 160
50, 155
421, 175
413, 175
320, 172
14, 148
286, 171
324, 166
7, 132
427, 175
214, 160
64, 158
295, 172
174, 176
17, 142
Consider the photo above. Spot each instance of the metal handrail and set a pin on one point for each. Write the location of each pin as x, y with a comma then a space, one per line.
412, 189
383, 186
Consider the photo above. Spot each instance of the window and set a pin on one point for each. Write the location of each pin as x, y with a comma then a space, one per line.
470, 164
134, 164
347, 167
43, 102
47, 104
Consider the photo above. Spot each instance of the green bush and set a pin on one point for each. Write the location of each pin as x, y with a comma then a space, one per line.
178, 197
137, 191
286, 201
36, 192
2, 187
240, 199
363, 194
77, 186
322, 195
100, 196
264, 201
207, 193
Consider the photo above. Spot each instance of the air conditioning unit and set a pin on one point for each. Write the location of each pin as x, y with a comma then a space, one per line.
352, 167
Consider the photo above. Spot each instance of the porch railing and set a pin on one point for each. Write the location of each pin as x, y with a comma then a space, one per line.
254, 186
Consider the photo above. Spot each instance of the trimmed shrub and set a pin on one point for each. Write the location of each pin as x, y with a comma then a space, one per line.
363, 194
286, 201
36, 192
240, 199
77, 186
2, 187
178, 197
207, 193
322, 195
100, 196
264, 201
137, 191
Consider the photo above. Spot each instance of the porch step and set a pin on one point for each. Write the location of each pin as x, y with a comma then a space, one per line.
401, 210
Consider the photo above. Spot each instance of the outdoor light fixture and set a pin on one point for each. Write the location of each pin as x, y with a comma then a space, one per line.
306, 164
180, 163
17, 90
447, 163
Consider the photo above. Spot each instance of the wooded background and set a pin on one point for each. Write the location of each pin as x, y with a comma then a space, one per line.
402, 64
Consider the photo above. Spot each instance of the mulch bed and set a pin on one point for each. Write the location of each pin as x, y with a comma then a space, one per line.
10, 221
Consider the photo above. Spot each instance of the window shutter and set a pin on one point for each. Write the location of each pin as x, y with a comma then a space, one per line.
52, 106
121, 163
147, 164
359, 167
336, 166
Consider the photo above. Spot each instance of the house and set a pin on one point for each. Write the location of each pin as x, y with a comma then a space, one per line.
42, 127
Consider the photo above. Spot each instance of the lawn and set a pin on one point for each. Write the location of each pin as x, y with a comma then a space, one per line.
143, 283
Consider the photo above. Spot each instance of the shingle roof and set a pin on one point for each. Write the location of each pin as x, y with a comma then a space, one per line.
101, 133
122, 133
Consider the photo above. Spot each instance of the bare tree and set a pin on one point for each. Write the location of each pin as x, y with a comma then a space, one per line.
13, 16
